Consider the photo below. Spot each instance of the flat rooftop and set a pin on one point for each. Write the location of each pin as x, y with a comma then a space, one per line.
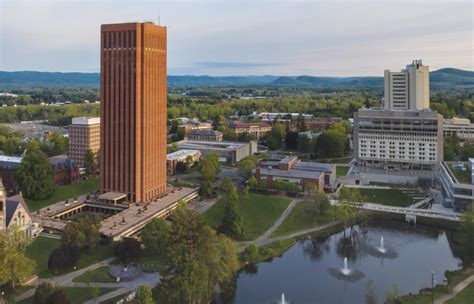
181, 154
462, 176
134, 220
294, 173
112, 196
300, 165
85, 121
216, 145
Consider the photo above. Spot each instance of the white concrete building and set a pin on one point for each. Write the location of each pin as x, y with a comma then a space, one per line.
461, 127
408, 89
457, 180
398, 139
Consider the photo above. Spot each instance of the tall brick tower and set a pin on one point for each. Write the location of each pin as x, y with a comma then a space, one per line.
133, 110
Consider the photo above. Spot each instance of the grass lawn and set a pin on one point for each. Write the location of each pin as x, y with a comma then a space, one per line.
454, 278
466, 296
258, 211
39, 250
391, 197
99, 275
341, 171
301, 218
66, 192
76, 295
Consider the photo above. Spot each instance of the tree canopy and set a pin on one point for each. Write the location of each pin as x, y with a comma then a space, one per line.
34, 175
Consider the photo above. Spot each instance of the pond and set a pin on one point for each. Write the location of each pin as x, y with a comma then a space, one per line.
314, 271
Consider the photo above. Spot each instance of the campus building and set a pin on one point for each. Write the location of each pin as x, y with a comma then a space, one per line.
229, 151
457, 181
291, 169
320, 123
186, 156
398, 139
255, 129
461, 127
205, 134
14, 212
133, 110
191, 125
84, 134
408, 89
65, 171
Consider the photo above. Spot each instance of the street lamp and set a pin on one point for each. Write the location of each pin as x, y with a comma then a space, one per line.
432, 287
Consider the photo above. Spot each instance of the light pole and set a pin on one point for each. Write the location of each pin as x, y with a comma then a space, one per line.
432, 287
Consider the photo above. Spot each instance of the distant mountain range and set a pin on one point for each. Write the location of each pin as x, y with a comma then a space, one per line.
446, 78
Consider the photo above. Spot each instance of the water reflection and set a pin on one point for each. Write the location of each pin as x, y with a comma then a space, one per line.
310, 272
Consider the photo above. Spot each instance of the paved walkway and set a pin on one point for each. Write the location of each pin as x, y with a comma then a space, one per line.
456, 290
301, 232
262, 238
63, 280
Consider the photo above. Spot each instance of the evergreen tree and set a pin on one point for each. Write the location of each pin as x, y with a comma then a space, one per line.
198, 261
34, 175
90, 163
143, 295
232, 222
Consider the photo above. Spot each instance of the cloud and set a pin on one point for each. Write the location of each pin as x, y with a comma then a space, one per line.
282, 37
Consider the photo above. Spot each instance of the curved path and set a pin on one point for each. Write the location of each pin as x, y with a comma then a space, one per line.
261, 239
301, 232
456, 290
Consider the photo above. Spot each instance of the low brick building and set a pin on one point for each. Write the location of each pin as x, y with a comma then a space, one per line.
291, 169
205, 134
172, 159
65, 172
257, 129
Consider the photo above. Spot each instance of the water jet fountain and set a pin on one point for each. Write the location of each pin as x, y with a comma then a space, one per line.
382, 247
346, 271
283, 300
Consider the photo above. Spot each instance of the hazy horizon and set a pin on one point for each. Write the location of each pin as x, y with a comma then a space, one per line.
245, 38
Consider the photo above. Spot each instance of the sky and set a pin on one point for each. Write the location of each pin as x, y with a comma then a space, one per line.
257, 37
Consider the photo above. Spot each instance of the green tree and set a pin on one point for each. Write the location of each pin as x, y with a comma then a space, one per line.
318, 200
301, 123
245, 166
226, 185
392, 294
232, 225
34, 175
209, 166
43, 292
291, 140
55, 144
467, 233
467, 151
370, 296
90, 163
14, 264
199, 261
252, 182
128, 250
58, 297
155, 236
81, 234
143, 295
276, 136
330, 144
303, 143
